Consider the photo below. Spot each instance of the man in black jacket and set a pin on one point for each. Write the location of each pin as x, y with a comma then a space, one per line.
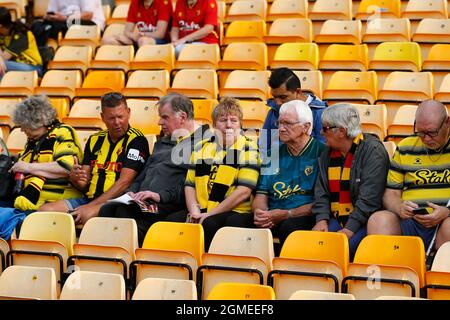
161, 183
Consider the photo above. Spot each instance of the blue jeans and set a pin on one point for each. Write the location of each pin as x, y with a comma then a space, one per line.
18, 66
74, 203
10, 218
353, 243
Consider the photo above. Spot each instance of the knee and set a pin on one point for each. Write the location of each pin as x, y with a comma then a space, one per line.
378, 220
445, 229
54, 206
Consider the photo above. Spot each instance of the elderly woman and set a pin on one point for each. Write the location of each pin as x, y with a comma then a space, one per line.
285, 190
45, 162
352, 175
224, 170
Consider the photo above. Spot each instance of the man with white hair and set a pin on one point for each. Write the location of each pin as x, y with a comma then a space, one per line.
352, 175
285, 192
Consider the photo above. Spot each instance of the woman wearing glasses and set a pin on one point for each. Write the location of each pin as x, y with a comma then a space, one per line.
352, 175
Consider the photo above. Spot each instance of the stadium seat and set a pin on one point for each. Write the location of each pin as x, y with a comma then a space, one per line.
285, 30
88, 285
310, 260
196, 83
45, 240
25, 282
432, 31
98, 82
147, 84
241, 291
254, 114
105, 245
83, 136
60, 83
402, 125
119, 14
165, 289
40, 8
113, 57
4, 249
354, 86
345, 57
287, 9
243, 84
443, 94
71, 57
203, 109
82, 35
397, 56
438, 58
396, 263
438, 278
16, 141
369, 9
407, 86
373, 119
112, 30
311, 82
7, 108
18, 83
296, 56
198, 56
245, 31
390, 147
246, 10
334, 10
320, 295
337, 31
241, 255
388, 29
62, 106
144, 116
170, 250
419, 9
244, 56
154, 57
85, 114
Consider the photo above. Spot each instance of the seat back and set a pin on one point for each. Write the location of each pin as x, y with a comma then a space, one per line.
245, 56
297, 56
387, 29
345, 57
247, 85
325, 9
203, 109
18, 83
165, 289
287, 9
385, 9
113, 57
402, 124
373, 119
397, 56
284, 30
82, 35
144, 116
4, 249
241, 291
443, 93
245, 31
417, 9
407, 86
147, 84
60, 83
246, 10
16, 141
352, 86
432, 31
156, 57
71, 57
438, 58
254, 114
340, 31
196, 83
198, 56
85, 114
441, 260
312, 81
320, 295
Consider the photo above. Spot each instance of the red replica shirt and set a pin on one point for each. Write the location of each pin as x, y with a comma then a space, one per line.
146, 19
189, 20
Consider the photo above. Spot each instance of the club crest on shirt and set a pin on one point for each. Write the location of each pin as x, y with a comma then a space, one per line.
308, 170
119, 150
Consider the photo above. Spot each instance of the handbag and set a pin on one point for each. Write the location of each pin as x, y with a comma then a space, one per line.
6, 177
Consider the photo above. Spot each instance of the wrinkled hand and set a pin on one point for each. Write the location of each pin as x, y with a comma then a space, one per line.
83, 213
262, 218
79, 174
438, 215
144, 195
406, 209
322, 225
347, 232
21, 166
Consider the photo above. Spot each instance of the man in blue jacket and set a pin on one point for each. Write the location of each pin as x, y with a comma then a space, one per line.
285, 87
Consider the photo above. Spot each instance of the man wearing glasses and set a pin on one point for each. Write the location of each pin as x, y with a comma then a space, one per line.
112, 160
419, 177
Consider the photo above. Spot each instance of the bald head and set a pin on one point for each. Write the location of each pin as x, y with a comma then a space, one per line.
432, 124
431, 109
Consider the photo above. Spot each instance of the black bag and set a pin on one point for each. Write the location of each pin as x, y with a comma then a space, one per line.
6, 177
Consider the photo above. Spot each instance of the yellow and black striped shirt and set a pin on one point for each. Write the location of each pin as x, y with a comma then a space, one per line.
107, 159
22, 47
421, 174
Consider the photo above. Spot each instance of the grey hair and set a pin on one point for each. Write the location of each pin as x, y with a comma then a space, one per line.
34, 112
343, 115
302, 109
179, 103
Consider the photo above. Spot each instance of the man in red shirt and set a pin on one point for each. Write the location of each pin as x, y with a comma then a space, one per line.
194, 21
150, 18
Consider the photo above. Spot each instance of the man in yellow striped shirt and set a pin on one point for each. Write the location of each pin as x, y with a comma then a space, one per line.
419, 177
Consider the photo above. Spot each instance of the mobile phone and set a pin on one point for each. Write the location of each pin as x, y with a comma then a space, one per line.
50, 13
420, 211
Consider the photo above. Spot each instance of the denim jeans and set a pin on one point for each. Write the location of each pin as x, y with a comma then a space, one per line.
18, 66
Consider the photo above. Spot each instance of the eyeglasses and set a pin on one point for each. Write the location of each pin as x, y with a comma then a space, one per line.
326, 128
286, 124
431, 134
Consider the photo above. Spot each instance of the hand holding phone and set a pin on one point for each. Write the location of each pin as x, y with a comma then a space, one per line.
421, 211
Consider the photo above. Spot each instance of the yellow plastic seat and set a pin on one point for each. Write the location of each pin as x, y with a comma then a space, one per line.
320, 295
196, 83
310, 260
390, 147
419, 9
432, 31
287, 9
345, 57
397, 56
246, 10
285, 30
443, 93
85, 114
254, 114
311, 81
147, 84
388, 29
82, 35
243, 84
438, 278
7, 108
88, 285
402, 125
154, 57
83, 135
373, 119
244, 56
16, 141
71, 57
386, 258
297, 56
113, 57
119, 14
27, 282
241, 255
60, 83
98, 82
378, 9
165, 289
359, 87
438, 58
18, 83
4, 249
144, 116
407, 86
203, 109
334, 9
40, 8
198, 56
62, 106
113, 29
337, 31
241, 291
245, 31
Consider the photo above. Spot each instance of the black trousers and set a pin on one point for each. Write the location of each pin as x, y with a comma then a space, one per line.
143, 219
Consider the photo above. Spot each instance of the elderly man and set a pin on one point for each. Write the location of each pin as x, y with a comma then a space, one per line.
419, 178
284, 194
352, 175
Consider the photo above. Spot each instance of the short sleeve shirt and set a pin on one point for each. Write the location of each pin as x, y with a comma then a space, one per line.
146, 19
